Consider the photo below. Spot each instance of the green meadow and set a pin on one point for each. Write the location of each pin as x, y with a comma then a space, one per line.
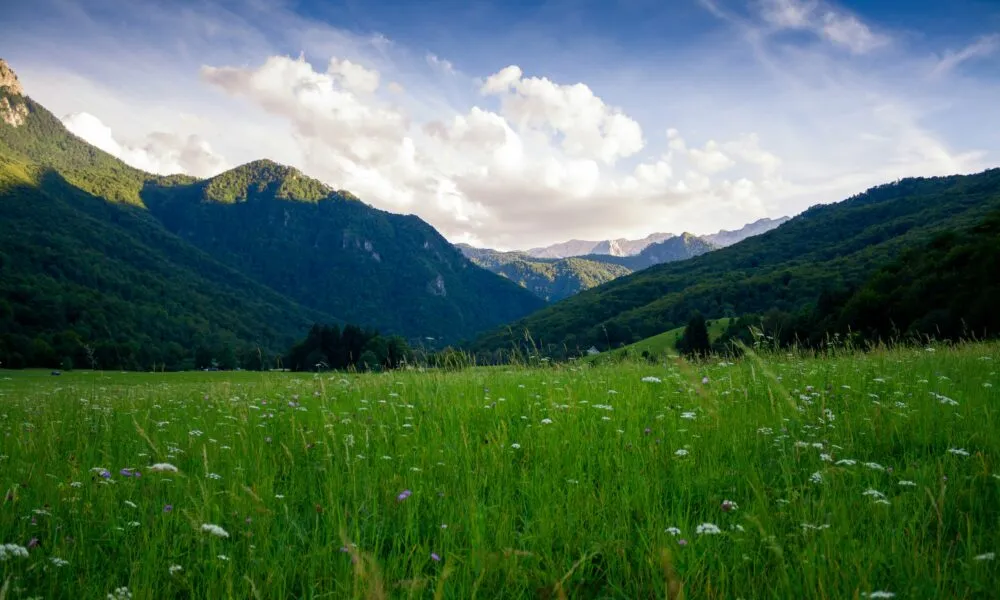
777, 476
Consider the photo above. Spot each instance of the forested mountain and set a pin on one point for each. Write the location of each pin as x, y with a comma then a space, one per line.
329, 251
826, 248
101, 261
554, 279
551, 279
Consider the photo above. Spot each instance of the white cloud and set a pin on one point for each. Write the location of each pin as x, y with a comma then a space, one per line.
589, 128
160, 153
770, 124
834, 25
983, 47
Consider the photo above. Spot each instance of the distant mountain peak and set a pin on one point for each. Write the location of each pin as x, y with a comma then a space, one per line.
253, 178
8, 79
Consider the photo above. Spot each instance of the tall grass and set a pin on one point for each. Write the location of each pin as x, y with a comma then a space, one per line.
826, 478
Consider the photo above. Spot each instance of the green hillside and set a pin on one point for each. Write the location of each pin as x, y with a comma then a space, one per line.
827, 247
102, 262
661, 343
79, 273
331, 252
551, 279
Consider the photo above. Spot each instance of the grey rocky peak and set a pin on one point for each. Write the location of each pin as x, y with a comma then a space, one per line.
8, 79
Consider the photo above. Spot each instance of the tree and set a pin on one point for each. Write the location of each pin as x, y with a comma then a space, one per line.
694, 341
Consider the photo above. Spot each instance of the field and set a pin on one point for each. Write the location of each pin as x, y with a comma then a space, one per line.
776, 477
663, 343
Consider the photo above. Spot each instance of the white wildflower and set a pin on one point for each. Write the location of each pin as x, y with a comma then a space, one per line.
651, 379
55, 560
175, 569
874, 466
907, 483
131, 504
816, 477
674, 531
214, 476
688, 415
681, 452
515, 446
196, 433
8, 551
958, 451
708, 529
121, 593
874, 494
214, 530
826, 458
987, 556
883, 594
223, 557
846, 462
546, 421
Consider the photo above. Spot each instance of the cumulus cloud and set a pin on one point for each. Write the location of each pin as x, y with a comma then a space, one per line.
589, 128
160, 153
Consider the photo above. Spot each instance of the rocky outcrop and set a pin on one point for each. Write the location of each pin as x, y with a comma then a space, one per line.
8, 79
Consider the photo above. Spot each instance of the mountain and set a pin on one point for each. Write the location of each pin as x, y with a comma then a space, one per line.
626, 247
556, 278
828, 247
548, 278
618, 247
147, 270
329, 251
724, 238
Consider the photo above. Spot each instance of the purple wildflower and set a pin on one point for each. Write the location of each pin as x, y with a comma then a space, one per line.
33, 543
403, 495
105, 474
682, 542
126, 472
168, 507
435, 557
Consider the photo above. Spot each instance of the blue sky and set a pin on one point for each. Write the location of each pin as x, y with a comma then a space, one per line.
518, 124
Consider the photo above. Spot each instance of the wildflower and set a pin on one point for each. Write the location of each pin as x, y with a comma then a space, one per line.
214, 530
704, 380
846, 462
728, 505
168, 507
651, 379
214, 476
33, 543
223, 557
175, 569
681, 452
958, 451
8, 551
682, 542
121, 593
76, 484
987, 556
55, 560
435, 557
403, 495
826, 458
546, 421
874, 466
906, 483
708, 529
196, 433
816, 477
881, 594
130, 504
687, 415
163, 468
515, 446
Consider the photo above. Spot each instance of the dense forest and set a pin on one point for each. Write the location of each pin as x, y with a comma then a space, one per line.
330, 347
945, 290
825, 249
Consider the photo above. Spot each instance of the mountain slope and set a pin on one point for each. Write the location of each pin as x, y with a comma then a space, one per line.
331, 252
723, 237
548, 278
83, 259
76, 270
616, 247
554, 279
836, 245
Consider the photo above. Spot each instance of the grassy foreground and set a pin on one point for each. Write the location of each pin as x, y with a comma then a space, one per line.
781, 477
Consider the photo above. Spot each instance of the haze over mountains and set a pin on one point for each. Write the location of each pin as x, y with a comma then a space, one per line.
560, 270
626, 247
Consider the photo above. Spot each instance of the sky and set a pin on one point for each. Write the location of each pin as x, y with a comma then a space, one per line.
514, 124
